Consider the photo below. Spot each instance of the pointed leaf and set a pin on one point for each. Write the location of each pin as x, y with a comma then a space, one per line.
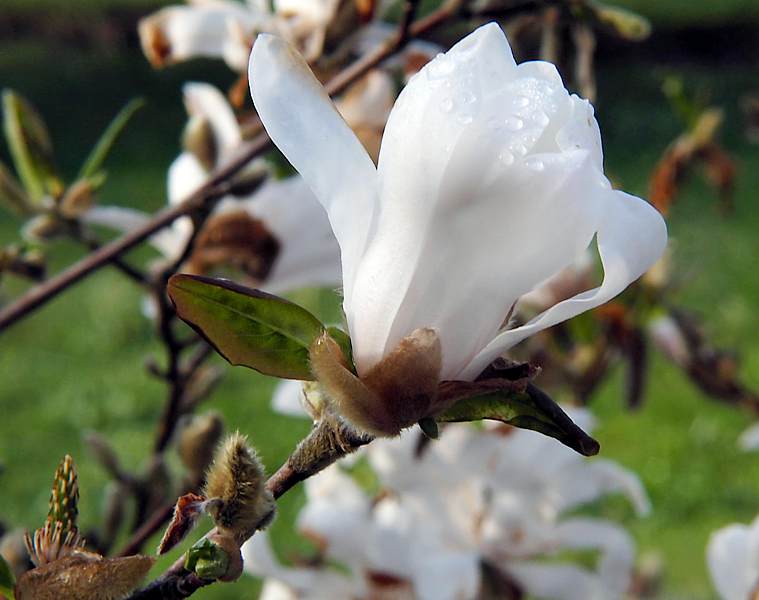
7, 580
100, 151
11, 194
248, 327
529, 409
30, 146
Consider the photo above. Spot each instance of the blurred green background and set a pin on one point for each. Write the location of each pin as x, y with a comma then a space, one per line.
77, 364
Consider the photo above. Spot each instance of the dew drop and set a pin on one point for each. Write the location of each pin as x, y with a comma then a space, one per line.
541, 118
464, 118
446, 105
521, 101
514, 123
520, 149
468, 98
534, 164
506, 157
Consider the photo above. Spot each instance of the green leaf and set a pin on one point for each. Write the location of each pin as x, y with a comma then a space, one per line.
102, 148
30, 146
11, 194
344, 341
207, 560
531, 409
7, 580
248, 327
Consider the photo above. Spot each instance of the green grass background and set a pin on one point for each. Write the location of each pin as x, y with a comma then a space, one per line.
77, 364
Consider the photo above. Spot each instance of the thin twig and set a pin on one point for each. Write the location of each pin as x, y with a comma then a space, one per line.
41, 294
328, 441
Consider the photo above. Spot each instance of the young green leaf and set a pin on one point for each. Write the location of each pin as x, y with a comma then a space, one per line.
7, 580
30, 146
248, 327
102, 148
529, 409
12, 196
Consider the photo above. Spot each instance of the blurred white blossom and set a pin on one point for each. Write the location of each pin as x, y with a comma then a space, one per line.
498, 496
226, 29
733, 559
490, 180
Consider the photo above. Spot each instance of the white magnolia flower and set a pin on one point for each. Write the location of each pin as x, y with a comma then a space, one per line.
733, 559
490, 180
225, 29
473, 497
308, 253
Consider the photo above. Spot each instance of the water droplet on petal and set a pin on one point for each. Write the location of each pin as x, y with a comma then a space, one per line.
464, 118
521, 101
514, 123
506, 157
541, 118
468, 98
520, 149
446, 104
534, 164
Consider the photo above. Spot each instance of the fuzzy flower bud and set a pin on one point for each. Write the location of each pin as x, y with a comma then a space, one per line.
238, 500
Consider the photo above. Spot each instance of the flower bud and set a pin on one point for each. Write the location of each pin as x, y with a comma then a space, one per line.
238, 500
394, 394
77, 199
198, 138
197, 441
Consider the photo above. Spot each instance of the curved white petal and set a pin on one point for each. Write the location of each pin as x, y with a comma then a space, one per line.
446, 575
204, 100
617, 549
186, 175
587, 481
729, 562
306, 127
309, 254
631, 237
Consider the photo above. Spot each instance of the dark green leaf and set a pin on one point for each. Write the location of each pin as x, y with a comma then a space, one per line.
100, 151
30, 146
530, 409
7, 580
428, 425
248, 327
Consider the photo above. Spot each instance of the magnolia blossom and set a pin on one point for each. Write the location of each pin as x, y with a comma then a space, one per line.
497, 497
226, 28
489, 181
733, 559
307, 254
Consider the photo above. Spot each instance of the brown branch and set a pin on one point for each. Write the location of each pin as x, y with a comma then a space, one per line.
40, 295
328, 441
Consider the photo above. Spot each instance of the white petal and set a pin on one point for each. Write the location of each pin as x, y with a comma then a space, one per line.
306, 127
186, 175
728, 559
204, 100
616, 546
178, 33
287, 398
587, 481
557, 582
454, 165
631, 237
447, 575
309, 254
749, 439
